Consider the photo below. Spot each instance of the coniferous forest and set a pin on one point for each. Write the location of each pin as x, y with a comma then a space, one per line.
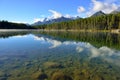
103, 22
9, 25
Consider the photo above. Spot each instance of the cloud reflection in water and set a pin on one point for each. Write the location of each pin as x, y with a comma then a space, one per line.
103, 52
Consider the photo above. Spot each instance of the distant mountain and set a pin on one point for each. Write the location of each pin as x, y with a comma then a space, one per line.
99, 13
49, 21
116, 11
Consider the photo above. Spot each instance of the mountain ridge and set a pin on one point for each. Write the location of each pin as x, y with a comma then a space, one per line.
99, 13
64, 19
50, 21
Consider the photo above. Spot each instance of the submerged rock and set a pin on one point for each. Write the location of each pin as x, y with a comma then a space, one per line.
39, 76
52, 65
60, 76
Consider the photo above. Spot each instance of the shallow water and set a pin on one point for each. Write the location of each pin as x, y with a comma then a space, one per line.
46, 55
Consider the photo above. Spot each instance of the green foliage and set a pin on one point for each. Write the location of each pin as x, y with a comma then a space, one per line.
14, 33
97, 39
8, 25
104, 22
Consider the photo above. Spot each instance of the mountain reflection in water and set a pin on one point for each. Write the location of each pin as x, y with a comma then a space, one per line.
84, 47
59, 55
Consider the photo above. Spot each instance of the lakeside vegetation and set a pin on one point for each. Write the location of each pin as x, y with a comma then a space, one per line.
8, 34
63, 62
10, 25
102, 22
97, 39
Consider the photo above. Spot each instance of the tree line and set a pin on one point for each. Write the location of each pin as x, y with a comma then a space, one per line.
103, 22
9, 25
97, 39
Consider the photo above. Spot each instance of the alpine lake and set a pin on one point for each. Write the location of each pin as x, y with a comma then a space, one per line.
59, 55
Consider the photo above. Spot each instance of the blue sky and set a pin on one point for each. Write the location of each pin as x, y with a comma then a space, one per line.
30, 11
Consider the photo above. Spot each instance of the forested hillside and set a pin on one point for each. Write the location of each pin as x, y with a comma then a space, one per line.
9, 25
103, 22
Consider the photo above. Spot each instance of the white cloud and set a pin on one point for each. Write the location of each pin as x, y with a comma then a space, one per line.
81, 9
38, 19
55, 14
67, 16
107, 6
97, 5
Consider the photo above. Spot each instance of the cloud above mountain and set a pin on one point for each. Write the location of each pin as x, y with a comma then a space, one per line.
55, 14
107, 6
80, 9
38, 19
